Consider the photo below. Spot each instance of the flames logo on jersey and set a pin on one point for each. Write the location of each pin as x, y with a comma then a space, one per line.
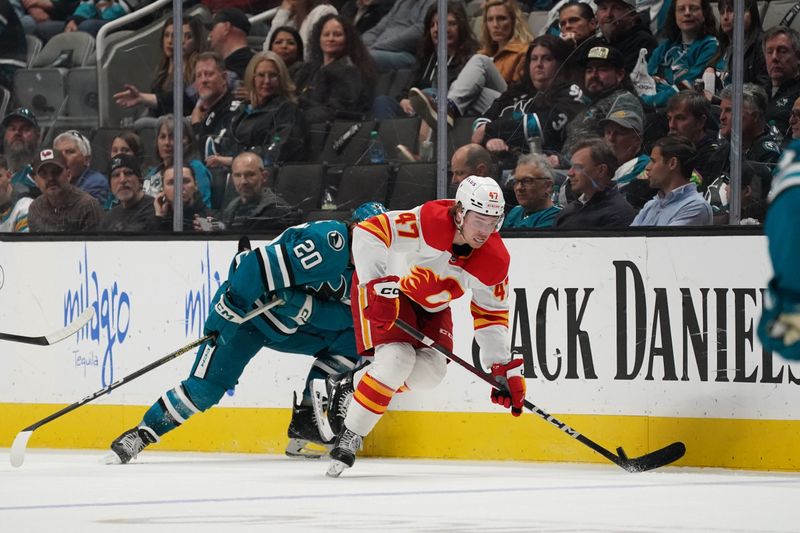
429, 290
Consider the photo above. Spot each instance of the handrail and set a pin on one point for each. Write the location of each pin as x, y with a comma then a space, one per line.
269, 14
102, 115
122, 21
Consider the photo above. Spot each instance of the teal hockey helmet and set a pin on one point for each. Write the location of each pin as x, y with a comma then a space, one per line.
367, 210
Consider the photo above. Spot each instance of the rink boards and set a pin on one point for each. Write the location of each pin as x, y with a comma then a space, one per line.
636, 341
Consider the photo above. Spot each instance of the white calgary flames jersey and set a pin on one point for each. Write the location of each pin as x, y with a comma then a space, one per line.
420, 242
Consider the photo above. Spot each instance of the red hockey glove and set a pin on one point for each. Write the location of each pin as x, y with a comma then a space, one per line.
512, 382
382, 300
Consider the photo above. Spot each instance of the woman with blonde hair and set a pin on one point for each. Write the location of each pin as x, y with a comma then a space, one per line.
505, 38
270, 115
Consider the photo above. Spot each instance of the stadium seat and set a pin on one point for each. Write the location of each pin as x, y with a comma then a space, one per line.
401, 79
363, 183
300, 185
34, 48
537, 21
396, 131
460, 134
414, 184
82, 95
776, 9
317, 134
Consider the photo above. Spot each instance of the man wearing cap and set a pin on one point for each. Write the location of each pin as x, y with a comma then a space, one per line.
135, 211
622, 28
228, 38
623, 128
605, 81
61, 207
21, 139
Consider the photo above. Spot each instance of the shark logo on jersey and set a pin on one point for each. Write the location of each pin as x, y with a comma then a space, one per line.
336, 240
327, 291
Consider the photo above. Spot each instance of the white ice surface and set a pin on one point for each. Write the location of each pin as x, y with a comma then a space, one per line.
65, 491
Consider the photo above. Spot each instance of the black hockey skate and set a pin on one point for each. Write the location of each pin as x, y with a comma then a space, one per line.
331, 400
128, 445
304, 437
343, 454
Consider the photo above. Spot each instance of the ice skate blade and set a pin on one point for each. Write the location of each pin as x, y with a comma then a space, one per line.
320, 400
305, 449
335, 468
111, 458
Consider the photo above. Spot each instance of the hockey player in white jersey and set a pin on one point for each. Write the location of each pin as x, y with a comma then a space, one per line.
411, 265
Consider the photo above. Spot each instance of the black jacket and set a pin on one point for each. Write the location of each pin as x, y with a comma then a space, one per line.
629, 43
336, 90
272, 212
780, 105
606, 209
253, 129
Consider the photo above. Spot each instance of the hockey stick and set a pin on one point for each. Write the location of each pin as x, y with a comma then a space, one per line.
650, 461
21, 440
56, 336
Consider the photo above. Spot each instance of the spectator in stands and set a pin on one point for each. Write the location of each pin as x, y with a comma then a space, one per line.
605, 81
677, 202
623, 128
470, 160
755, 67
165, 150
128, 143
533, 187
77, 151
365, 14
537, 109
13, 207
339, 79
215, 104
576, 22
228, 38
622, 28
61, 206
286, 42
193, 206
753, 196
461, 45
256, 207
392, 41
302, 15
505, 38
272, 112
13, 46
50, 15
135, 211
794, 123
689, 114
20, 145
759, 144
90, 15
691, 32
27, 21
486, 74
600, 204
159, 101
782, 53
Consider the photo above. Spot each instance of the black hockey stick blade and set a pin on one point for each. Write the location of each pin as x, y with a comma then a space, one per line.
666, 455
650, 461
56, 336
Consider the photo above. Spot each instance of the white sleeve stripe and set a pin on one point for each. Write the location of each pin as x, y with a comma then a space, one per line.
172, 411
282, 265
280, 326
267, 268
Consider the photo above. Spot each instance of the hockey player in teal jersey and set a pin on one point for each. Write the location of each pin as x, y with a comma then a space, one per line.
307, 267
779, 329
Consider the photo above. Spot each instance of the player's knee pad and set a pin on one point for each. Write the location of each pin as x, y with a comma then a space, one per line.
429, 369
202, 394
393, 363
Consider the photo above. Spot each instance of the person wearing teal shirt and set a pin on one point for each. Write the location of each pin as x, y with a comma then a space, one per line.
533, 187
